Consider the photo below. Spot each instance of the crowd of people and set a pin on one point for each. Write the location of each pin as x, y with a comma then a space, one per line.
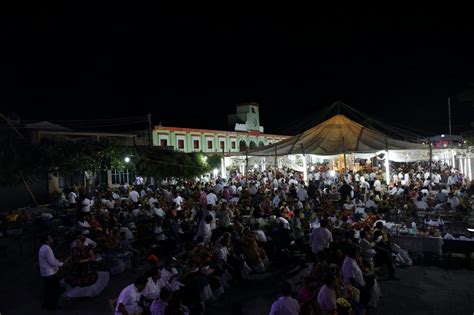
200, 237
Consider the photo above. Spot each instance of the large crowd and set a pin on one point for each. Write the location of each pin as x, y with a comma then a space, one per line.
200, 237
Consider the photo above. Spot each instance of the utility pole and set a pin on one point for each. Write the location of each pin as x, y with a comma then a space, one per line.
150, 135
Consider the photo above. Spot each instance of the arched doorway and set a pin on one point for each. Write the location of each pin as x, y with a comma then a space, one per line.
242, 146
253, 145
261, 144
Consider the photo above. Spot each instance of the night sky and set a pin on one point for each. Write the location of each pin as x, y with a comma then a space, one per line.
62, 63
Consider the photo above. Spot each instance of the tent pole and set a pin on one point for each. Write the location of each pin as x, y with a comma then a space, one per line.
305, 166
344, 152
387, 163
247, 164
276, 158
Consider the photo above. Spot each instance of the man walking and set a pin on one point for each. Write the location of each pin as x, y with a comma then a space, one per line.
49, 267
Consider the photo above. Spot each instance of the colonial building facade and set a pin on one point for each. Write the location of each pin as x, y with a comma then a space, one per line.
247, 134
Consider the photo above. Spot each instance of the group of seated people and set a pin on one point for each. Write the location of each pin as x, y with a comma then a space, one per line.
220, 231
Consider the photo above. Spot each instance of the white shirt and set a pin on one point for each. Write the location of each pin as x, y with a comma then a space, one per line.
129, 297
151, 201
133, 196
152, 289
350, 269
327, 299
285, 305
86, 205
377, 185
48, 264
320, 239
260, 235
71, 197
302, 194
178, 201
220, 253
211, 199
205, 231
166, 275
159, 212
454, 202
218, 189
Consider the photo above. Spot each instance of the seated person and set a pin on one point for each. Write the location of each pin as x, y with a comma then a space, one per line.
82, 274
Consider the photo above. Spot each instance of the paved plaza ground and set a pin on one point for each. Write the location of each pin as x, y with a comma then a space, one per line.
421, 290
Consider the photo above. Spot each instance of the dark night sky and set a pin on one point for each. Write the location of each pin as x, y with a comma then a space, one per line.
73, 63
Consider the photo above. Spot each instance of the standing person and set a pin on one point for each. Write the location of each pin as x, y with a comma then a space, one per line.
49, 267
320, 237
327, 295
127, 302
72, 199
285, 305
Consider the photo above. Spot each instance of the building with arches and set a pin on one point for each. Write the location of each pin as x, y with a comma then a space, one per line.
247, 134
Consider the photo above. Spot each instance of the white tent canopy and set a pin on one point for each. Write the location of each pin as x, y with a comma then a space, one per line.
339, 135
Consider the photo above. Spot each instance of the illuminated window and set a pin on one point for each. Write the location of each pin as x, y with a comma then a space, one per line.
163, 143
222, 145
180, 144
196, 144
209, 144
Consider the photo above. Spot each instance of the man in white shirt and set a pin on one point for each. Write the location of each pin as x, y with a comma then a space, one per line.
152, 200
453, 201
133, 196
157, 210
285, 305
327, 295
211, 198
154, 285
49, 267
302, 194
86, 205
259, 234
377, 186
178, 201
72, 199
421, 204
320, 237
127, 302
351, 272
204, 229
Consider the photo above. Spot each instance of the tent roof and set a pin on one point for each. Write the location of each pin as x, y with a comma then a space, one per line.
336, 135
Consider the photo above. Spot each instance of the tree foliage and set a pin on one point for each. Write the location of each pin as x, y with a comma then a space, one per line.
28, 160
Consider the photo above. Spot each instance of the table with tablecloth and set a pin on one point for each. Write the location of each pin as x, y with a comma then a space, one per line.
418, 244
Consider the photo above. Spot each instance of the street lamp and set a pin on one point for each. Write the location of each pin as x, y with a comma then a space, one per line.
127, 159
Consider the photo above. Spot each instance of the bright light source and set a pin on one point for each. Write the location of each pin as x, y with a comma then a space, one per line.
215, 172
444, 145
442, 136
312, 168
205, 158
127, 159
332, 173
255, 166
